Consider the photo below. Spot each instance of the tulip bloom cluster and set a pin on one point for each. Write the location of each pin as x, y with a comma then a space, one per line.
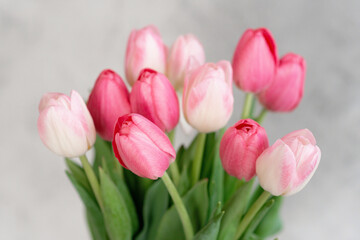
279, 84
141, 123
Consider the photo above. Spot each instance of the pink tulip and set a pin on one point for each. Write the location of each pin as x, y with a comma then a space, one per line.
285, 92
254, 61
65, 125
240, 147
108, 101
288, 165
142, 147
207, 96
145, 49
186, 53
154, 97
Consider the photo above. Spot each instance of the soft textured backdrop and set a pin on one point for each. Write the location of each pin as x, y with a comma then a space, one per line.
63, 45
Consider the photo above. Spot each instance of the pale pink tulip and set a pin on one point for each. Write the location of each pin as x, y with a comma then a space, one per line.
240, 146
285, 92
288, 165
142, 147
145, 49
254, 61
207, 96
108, 101
186, 53
65, 125
155, 98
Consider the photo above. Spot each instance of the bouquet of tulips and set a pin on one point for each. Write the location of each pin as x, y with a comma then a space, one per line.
138, 187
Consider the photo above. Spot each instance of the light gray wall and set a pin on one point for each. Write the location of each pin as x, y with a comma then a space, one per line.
63, 45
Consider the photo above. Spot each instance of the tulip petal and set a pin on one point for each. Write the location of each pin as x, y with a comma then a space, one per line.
139, 152
305, 170
275, 168
62, 132
155, 134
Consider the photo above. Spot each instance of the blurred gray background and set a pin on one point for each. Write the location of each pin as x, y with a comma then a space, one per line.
63, 45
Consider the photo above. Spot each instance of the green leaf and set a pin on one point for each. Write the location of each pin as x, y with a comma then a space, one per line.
94, 215
155, 205
116, 215
79, 174
211, 230
188, 156
234, 210
196, 203
117, 178
216, 211
103, 150
258, 217
121, 186
217, 176
208, 156
231, 184
180, 157
272, 223
184, 183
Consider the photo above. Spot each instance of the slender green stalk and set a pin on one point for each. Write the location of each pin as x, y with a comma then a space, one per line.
262, 115
251, 213
249, 99
196, 167
180, 207
174, 170
94, 183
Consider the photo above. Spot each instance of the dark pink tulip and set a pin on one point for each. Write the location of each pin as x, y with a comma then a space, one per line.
240, 147
154, 97
108, 101
145, 49
254, 61
142, 147
288, 165
285, 92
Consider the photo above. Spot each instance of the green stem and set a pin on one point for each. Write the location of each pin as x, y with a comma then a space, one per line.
174, 170
251, 213
249, 99
262, 115
94, 183
196, 167
180, 207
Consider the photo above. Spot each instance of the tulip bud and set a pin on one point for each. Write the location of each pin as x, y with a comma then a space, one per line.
145, 49
254, 61
184, 48
285, 92
240, 147
288, 165
142, 147
65, 125
154, 97
207, 96
108, 101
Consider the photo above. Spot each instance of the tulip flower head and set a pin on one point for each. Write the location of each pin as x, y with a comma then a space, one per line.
108, 101
255, 60
145, 49
142, 147
285, 92
186, 53
65, 125
288, 165
207, 96
155, 98
240, 146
